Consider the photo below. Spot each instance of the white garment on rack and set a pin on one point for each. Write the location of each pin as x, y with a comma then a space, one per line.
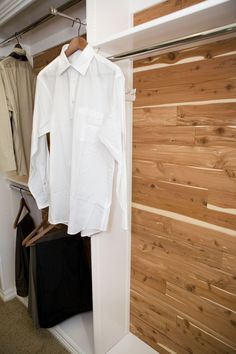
80, 102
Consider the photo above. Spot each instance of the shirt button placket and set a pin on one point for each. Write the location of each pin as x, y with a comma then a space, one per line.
73, 93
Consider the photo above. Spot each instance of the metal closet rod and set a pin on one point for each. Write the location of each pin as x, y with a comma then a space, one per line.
43, 19
217, 32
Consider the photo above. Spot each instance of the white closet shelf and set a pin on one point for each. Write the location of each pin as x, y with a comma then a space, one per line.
204, 16
20, 180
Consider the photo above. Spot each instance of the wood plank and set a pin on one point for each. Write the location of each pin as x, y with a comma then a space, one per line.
164, 308
194, 338
212, 179
164, 135
187, 281
221, 320
146, 255
218, 114
221, 188
154, 243
229, 263
148, 279
181, 231
222, 198
156, 313
160, 270
210, 292
162, 9
174, 198
154, 338
208, 90
201, 341
219, 157
231, 172
166, 268
216, 136
155, 116
207, 51
190, 278
159, 194
187, 74
201, 80
44, 58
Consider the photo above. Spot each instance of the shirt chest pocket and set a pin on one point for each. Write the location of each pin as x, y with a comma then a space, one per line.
90, 122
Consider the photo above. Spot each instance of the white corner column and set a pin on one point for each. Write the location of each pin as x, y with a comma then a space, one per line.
111, 250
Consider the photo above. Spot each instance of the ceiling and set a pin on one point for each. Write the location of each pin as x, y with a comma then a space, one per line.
17, 14
9, 8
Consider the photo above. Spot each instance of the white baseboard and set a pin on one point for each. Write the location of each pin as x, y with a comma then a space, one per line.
65, 340
24, 300
8, 294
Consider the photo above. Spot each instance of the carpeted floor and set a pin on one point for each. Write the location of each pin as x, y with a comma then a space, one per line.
18, 336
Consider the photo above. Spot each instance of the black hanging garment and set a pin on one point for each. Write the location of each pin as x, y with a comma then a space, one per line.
24, 228
64, 285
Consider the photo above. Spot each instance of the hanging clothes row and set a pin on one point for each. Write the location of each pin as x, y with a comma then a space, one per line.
17, 90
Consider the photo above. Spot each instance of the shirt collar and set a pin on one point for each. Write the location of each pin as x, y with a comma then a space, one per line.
80, 60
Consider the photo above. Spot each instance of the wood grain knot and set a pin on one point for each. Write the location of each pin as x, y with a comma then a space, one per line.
229, 87
171, 56
190, 287
220, 130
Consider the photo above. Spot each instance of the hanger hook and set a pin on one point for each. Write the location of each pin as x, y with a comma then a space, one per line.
21, 193
80, 24
17, 39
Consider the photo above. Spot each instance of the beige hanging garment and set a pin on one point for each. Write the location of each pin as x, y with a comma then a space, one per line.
17, 89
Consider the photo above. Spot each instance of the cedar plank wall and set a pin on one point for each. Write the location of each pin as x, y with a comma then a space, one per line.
183, 283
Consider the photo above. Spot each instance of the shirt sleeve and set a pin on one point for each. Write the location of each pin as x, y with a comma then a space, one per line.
7, 157
39, 161
113, 136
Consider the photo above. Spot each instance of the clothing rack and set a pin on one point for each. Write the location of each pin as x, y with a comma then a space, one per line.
165, 46
43, 19
20, 189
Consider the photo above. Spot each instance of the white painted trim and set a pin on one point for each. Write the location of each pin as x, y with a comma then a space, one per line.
132, 345
9, 8
24, 300
66, 341
8, 294
2, 278
205, 16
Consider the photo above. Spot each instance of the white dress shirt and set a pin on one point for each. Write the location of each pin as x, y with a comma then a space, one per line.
80, 102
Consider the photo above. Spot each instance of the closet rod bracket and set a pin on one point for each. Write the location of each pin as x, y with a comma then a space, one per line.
130, 95
55, 12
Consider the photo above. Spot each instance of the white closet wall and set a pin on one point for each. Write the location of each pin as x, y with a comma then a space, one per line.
7, 243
